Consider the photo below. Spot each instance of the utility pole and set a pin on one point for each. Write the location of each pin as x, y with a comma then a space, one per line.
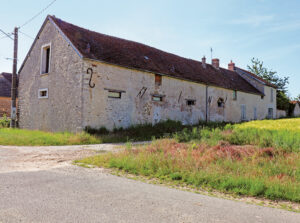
13, 115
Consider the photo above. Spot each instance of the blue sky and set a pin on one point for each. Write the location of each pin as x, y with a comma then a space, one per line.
236, 29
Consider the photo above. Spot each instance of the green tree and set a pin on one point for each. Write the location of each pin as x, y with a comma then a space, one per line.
257, 67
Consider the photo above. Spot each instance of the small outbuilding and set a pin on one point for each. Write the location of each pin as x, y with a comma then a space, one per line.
5, 94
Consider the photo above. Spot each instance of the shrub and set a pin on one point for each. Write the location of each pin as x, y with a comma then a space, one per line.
4, 122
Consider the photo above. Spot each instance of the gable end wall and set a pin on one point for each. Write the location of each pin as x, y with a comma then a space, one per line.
63, 109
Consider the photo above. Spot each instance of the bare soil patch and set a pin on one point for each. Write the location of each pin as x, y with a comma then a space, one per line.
18, 158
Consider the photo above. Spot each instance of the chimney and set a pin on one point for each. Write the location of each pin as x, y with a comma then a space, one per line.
216, 63
88, 48
231, 66
203, 62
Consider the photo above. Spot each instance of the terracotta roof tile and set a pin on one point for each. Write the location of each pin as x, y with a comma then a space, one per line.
113, 50
5, 84
259, 78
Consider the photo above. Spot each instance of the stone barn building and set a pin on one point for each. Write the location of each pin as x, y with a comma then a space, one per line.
73, 78
5, 94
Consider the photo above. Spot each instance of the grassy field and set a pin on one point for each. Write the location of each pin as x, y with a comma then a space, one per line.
91, 136
259, 158
20, 137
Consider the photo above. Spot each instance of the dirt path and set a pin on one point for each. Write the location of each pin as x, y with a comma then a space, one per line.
21, 158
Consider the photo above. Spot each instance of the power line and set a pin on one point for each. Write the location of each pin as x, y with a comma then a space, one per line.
3, 37
6, 34
30, 37
44, 9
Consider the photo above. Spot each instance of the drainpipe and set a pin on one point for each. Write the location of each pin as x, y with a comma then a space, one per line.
206, 103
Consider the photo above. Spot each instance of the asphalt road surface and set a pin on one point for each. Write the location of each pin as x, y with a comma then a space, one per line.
53, 190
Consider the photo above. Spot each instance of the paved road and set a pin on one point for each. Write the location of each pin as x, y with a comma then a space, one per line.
67, 193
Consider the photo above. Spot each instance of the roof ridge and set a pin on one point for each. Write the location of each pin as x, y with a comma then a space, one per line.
127, 40
139, 56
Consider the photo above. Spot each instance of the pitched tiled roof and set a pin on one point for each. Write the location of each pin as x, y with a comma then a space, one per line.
5, 84
257, 77
113, 50
295, 102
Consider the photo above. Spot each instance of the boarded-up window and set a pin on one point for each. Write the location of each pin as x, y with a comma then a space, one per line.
157, 98
158, 80
113, 94
243, 112
270, 113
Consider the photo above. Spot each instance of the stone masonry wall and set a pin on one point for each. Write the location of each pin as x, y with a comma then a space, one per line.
62, 110
72, 104
100, 110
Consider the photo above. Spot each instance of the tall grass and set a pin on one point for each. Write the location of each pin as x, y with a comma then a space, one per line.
21, 137
260, 158
281, 134
140, 132
241, 170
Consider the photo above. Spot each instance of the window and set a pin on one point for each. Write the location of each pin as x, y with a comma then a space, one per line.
255, 113
45, 60
190, 102
272, 95
114, 94
243, 112
270, 112
43, 93
234, 95
221, 102
262, 97
157, 98
158, 79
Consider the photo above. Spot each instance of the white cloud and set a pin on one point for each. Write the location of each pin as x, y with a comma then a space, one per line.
281, 52
287, 26
253, 20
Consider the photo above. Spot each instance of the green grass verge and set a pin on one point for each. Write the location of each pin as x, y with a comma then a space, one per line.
242, 170
20, 137
260, 158
143, 132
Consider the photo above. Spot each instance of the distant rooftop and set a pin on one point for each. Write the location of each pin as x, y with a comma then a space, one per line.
5, 84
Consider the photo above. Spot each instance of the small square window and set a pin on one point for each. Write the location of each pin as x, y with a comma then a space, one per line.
234, 95
190, 102
157, 98
158, 79
45, 60
43, 93
113, 94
